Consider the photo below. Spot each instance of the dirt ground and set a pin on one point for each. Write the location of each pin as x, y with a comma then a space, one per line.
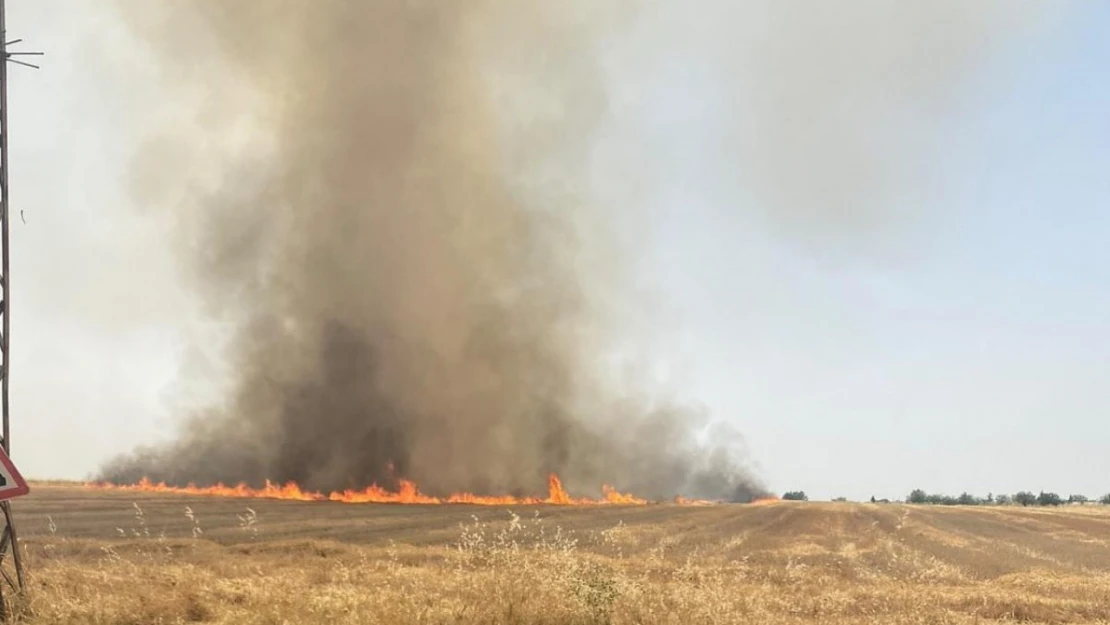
104, 557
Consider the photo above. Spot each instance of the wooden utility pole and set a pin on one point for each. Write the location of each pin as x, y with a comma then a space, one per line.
8, 539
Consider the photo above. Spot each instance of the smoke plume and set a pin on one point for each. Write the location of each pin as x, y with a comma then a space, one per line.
377, 200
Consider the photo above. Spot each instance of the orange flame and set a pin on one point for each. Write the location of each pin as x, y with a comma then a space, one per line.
683, 501
407, 493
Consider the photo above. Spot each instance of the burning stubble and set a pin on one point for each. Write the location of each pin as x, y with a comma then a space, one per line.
413, 292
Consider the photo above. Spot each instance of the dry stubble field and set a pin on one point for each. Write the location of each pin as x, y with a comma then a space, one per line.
99, 557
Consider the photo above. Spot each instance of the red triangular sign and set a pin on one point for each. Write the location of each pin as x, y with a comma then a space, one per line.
12, 483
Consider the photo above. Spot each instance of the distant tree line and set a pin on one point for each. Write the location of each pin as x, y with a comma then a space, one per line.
1022, 498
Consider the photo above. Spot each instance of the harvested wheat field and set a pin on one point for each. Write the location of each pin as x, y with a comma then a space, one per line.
108, 557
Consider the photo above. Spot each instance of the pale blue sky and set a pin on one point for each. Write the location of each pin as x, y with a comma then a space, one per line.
940, 322
964, 346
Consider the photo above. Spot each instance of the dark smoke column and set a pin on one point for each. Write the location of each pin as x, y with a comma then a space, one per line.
408, 288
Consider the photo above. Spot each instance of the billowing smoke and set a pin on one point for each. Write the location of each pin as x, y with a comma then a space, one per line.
413, 285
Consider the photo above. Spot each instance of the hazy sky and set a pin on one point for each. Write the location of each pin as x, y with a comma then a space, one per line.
876, 239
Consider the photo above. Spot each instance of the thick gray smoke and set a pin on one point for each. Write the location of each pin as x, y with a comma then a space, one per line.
413, 287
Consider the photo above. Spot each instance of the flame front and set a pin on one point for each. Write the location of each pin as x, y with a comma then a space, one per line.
407, 493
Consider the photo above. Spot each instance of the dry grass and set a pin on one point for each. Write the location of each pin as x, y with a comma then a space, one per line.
104, 558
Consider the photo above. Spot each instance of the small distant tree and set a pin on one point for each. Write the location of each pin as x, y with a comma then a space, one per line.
1105, 499
1025, 498
1049, 499
967, 499
1077, 499
917, 496
795, 495
840, 499
989, 501
1004, 500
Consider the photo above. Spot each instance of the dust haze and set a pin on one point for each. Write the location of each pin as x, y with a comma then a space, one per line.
412, 283
848, 128
828, 123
